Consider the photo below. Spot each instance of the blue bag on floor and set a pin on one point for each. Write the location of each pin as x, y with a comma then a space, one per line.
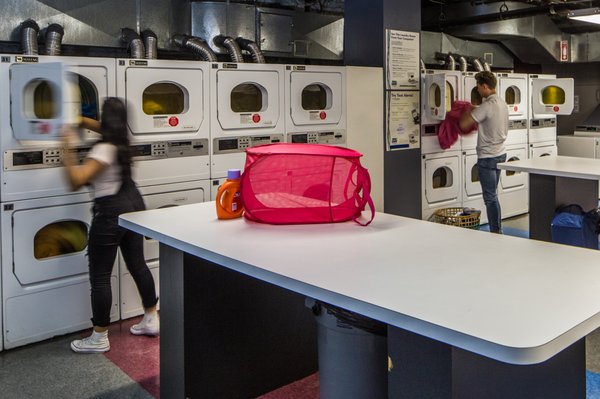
571, 225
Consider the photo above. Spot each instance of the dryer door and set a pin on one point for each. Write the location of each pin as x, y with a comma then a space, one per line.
43, 98
453, 89
166, 200
544, 151
93, 87
470, 92
316, 97
164, 100
441, 179
510, 179
513, 91
552, 97
471, 176
50, 242
434, 96
247, 99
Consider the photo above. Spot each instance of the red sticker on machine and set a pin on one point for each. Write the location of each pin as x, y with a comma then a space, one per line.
556, 108
516, 108
323, 115
256, 118
43, 128
173, 121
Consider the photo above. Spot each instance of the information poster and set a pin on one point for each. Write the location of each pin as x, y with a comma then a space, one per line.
402, 60
403, 120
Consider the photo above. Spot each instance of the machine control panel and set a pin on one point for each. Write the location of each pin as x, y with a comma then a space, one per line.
169, 149
520, 124
542, 123
337, 137
232, 145
38, 159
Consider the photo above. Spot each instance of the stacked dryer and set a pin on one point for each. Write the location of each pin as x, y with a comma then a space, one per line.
472, 196
247, 109
441, 174
315, 104
549, 97
168, 123
45, 284
513, 188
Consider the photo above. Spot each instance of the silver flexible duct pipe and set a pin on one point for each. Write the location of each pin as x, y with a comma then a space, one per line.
253, 49
450, 62
54, 35
486, 66
463, 65
477, 64
231, 46
29, 34
197, 46
151, 44
134, 42
422, 64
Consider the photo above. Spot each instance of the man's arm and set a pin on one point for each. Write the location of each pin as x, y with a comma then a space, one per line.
466, 121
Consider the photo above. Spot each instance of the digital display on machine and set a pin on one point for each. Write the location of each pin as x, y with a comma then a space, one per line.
180, 144
325, 134
231, 144
28, 158
300, 138
141, 150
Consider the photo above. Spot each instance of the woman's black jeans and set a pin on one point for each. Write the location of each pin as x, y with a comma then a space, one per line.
105, 237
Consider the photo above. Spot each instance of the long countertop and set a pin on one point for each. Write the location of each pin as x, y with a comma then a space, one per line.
574, 167
515, 300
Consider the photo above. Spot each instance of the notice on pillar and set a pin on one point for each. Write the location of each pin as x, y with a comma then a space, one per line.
402, 120
402, 60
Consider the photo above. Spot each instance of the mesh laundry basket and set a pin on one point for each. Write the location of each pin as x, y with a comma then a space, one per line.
461, 217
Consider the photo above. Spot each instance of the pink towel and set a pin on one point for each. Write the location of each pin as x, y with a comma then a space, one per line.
450, 128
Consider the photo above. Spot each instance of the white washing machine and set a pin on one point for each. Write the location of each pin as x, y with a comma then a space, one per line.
513, 192
512, 88
469, 93
549, 97
315, 104
472, 196
167, 117
157, 197
439, 90
440, 181
45, 283
32, 168
247, 109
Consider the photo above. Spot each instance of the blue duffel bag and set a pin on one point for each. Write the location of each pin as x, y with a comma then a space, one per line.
571, 225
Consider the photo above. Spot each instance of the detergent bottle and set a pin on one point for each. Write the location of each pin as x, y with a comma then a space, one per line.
229, 199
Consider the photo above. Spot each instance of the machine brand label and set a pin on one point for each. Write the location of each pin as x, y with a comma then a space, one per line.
26, 59
230, 66
299, 68
138, 63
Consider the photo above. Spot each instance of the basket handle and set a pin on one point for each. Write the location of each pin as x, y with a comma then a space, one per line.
363, 184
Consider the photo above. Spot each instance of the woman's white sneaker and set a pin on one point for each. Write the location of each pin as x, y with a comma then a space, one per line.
150, 325
95, 343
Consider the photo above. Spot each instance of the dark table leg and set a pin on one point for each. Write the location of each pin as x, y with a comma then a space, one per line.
546, 193
232, 336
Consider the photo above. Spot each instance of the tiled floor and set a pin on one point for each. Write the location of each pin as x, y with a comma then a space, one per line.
131, 368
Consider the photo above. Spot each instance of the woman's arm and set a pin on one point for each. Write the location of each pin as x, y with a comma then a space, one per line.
89, 123
78, 175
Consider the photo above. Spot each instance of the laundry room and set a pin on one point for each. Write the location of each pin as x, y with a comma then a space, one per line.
363, 152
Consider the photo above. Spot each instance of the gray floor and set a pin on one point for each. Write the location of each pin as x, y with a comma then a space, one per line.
50, 370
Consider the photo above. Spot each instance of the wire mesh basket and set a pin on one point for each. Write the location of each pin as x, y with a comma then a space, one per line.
461, 217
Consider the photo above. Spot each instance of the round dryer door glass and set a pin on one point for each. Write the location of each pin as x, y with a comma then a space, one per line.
247, 97
512, 95
512, 172
474, 174
60, 238
44, 100
435, 96
475, 97
442, 178
163, 99
90, 106
449, 95
316, 97
553, 95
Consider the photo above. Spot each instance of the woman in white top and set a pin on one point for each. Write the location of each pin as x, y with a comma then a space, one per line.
107, 169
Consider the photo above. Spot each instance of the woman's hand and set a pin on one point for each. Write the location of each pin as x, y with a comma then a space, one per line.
69, 136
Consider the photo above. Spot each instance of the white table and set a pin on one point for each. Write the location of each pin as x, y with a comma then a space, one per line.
556, 181
438, 287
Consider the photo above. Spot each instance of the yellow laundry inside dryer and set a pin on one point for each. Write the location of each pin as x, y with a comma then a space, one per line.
60, 238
